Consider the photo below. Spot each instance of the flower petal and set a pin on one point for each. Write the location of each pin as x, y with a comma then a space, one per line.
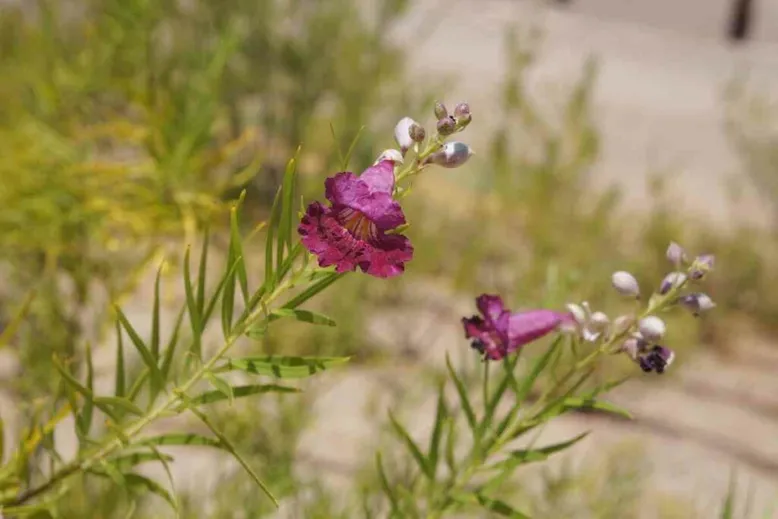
525, 327
385, 256
370, 194
323, 235
491, 306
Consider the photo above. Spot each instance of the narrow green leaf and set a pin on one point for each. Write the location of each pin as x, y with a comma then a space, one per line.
220, 287
306, 316
451, 442
441, 414
155, 310
210, 397
228, 298
121, 403
137, 385
537, 368
312, 290
463, 398
728, 508
387, 488
107, 469
120, 383
220, 385
520, 457
508, 380
148, 359
236, 244
351, 149
412, 447
194, 314
494, 505
172, 343
202, 270
136, 481
271, 231
282, 367
12, 326
286, 218
584, 403
125, 462
180, 439
86, 411
231, 448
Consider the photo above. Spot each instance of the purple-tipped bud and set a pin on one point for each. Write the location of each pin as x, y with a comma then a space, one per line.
701, 266
625, 284
632, 347
417, 132
672, 280
652, 328
402, 133
697, 302
440, 111
658, 359
676, 254
461, 110
451, 155
446, 126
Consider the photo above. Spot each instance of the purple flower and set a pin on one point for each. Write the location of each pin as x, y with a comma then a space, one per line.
498, 332
351, 232
656, 359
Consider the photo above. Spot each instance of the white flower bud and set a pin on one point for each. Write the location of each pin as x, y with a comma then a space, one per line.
451, 155
392, 155
599, 321
676, 254
697, 303
578, 313
622, 323
402, 134
625, 283
652, 328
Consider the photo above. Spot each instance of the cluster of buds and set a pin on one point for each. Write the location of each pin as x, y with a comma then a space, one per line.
639, 336
409, 134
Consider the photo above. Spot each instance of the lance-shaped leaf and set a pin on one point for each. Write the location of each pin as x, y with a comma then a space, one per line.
441, 414
209, 397
124, 405
493, 505
282, 367
179, 439
522, 456
72, 383
258, 331
148, 359
286, 218
155, 318
593, 404
412, 447
275, 216
464, 400
195, 318
385, 486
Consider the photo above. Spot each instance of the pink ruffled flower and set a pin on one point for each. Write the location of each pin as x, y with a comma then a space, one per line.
351, 232
498, 332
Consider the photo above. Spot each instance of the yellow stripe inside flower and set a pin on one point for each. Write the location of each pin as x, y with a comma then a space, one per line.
358, 224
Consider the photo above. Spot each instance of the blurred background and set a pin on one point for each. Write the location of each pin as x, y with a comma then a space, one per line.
603, 129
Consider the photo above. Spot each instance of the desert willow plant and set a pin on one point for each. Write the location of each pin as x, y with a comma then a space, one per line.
360, 228
446, 481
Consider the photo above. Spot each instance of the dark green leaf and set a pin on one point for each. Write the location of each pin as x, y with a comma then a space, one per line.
172, 343
120, 383
155, 316
86, 411
282, 367
180, 439
584, 403
537, 368
494, 505
72, 383
412, 447
520, 457
236, 243
202, 269
306, 316
275, 215
120, 403
138, 482
194, 314
128, 461
326, 280
387, 488
148, 359
210, 397
441, 414
464, 400
286, 218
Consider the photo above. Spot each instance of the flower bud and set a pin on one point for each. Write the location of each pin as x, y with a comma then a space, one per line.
394, 156
417, 133
676, 254
402, 134
672, 280
658, 359
599, 321
446, 126
451, 155
461, 110
440, 110
621, 324
632, 347
625, 284
697, 303
578, 313
701, 266
652, 328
